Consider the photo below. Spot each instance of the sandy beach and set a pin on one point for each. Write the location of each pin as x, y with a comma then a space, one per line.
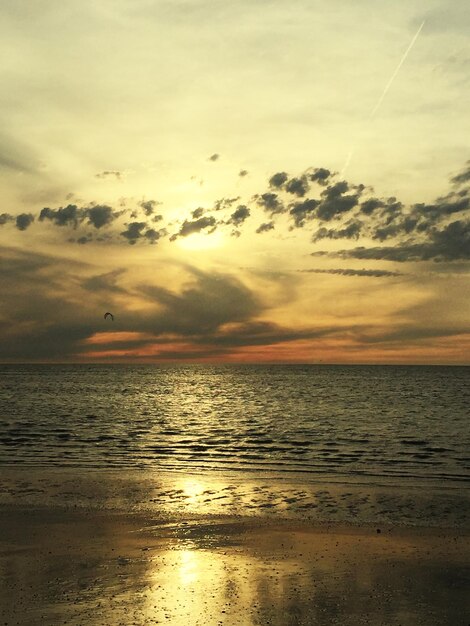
123, 560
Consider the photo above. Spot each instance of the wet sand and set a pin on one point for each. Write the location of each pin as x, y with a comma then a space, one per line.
106, 560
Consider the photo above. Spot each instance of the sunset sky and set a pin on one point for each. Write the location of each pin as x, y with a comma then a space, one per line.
247, 181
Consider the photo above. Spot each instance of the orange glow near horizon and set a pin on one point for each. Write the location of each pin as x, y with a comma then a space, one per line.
322, 351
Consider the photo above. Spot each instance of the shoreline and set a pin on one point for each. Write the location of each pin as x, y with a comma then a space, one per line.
210, 549
94, 567
176, 494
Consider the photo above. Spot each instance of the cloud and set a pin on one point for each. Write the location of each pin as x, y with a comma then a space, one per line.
320, 175
225, 203
190, 227
100, 215
448, 18
134, 231
55, 308
40, 316
24, 220
264, 228
82, 240
371, 205
16, 156
219, 312
304, 211
334, 202
141, 230
352, 230
110, 174
271, 203
104, 283
5, 218
153, 235
205, 304
149, 206
278, 180
353, 272
239, 215
450, 243
297, 186
70, 215
97, 215
264, 333
338, 210
463, 177
197, 213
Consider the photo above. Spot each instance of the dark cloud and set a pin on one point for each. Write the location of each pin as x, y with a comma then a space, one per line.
271, 203
341, 210
225, 203
207, 303
243, 173
70, 215
450, 243
304, 211
371, 205
241, 213
40, 317
140, 230
320, 175
24, 220
83, 240
352, 230
197, 213
453, 241
277, 180
100, 215
264, 333
265, 227
5, 218
102, 283
353, 272
218, 311
214, 157
463, 177
109, 174
149, 206
334, 201
153, 235
134, 231
297, 186
195, 226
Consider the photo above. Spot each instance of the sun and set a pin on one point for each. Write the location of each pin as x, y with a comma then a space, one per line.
201, 241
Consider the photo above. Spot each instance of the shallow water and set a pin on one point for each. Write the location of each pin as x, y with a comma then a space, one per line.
71, 568
344, 421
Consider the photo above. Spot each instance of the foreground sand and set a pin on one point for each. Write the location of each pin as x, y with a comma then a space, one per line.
69, 564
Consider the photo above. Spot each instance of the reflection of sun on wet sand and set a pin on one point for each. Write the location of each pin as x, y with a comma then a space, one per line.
150, 554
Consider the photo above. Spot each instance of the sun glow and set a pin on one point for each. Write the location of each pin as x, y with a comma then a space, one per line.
201, 241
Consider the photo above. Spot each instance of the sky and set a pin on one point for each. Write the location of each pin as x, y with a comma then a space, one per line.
247, 181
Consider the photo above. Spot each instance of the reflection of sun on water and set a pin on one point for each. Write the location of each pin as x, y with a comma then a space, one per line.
201, 241
188, 566
192, 489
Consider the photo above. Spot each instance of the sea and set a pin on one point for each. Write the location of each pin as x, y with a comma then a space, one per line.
345, 422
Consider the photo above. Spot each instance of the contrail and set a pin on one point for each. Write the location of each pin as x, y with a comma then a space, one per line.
397, 69
347, 162
384, 93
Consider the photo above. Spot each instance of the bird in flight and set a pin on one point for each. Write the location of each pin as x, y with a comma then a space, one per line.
110, 315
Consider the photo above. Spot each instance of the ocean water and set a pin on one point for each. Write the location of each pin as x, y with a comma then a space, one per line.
343, 421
